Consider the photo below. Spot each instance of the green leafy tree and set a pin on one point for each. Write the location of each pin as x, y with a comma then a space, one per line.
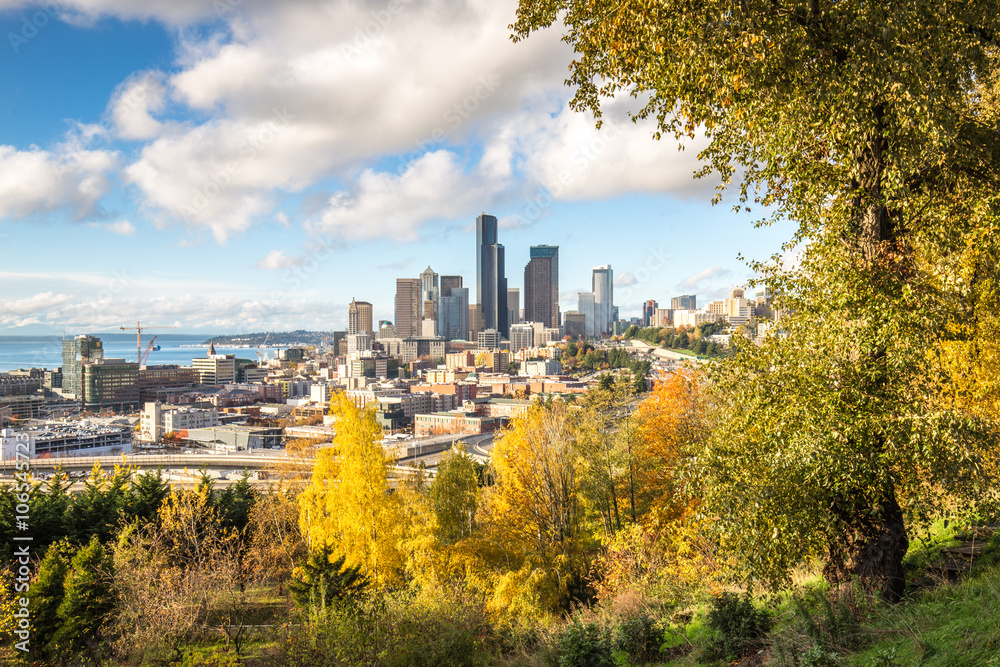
321, 579
47, 592
454, 495
872, 126
88, 599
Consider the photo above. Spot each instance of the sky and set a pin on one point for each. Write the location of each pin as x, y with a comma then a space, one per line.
250, 165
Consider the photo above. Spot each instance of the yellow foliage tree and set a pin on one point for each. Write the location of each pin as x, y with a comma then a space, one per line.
536, 548
349, 505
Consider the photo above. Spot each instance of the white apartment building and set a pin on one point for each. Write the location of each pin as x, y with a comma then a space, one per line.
157, 419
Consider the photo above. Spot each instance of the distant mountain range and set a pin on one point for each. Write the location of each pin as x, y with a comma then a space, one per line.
280, 338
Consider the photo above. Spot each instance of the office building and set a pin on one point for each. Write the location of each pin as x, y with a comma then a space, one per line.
453, 309
359, 317
216, 369
575, 324
684, 302
522, 336
76, 352
491, 281
489, 339
648, 311
586, 305
513, 305
541, 286
408, 307
111, 384
604, 301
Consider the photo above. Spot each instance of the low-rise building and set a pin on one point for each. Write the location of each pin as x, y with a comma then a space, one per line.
456, 422
156, 420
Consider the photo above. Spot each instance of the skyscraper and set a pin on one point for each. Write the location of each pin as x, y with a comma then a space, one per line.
359, 317
541, 286
491, 281
75, 353
513, 306
684, 302
648, 310
408, 307
587, 306
453, 309
604, 298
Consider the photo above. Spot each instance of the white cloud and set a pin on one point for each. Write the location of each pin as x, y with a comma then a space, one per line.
11, 311
134, 102
396, 206
711, 273
123, 227
39, 181
276, 259
625, 279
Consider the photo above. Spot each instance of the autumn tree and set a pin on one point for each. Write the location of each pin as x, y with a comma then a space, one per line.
536, 538
349, 506
866, 125
454, 495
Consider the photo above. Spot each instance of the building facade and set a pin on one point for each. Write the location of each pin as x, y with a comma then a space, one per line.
603, 280
359, 317
541, 286
491, 281
408, 307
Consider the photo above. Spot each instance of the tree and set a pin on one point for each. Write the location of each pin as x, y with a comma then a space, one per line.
535, 517
322, 578
454, 495
88, 600
349, 506
869, 125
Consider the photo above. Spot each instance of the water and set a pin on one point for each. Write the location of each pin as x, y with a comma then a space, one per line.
46, 351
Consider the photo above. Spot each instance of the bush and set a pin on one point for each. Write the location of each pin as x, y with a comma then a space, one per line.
740, 626
584, 644
638, 638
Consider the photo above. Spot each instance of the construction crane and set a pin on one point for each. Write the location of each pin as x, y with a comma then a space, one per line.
138, 328
260, 348
149, 348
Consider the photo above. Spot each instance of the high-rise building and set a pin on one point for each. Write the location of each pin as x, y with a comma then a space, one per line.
522, 336
453, 309
429, 293
491, 281
76, 352
110, 384
489, 339
513, 306
475, 320
408, 305
604, 298
359, 317
575, 324
684, 302
215, 369
541, 286
648, 310
586, 305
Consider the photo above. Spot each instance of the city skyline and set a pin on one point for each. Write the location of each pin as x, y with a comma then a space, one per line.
192, 169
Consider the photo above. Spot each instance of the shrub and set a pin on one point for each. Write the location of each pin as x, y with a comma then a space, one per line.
638, 637
739, 624
584, 644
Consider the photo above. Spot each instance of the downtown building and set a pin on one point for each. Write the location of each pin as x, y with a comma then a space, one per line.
604, 301
453, 309
491, 281
359, 318
541, 286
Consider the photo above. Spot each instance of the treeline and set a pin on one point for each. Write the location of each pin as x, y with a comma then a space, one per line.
680, 338
586, 356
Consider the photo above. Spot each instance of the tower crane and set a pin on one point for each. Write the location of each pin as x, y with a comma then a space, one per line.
138, 328
149, 348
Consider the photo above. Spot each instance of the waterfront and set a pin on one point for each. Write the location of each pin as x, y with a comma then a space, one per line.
46, 351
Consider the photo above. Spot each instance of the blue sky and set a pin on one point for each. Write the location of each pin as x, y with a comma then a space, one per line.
248, 165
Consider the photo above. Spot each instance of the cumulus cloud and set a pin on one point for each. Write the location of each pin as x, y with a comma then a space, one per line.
133, 104
276, 259
123, 227
625, 279
395, 206
38, 181
711, 273
11, 311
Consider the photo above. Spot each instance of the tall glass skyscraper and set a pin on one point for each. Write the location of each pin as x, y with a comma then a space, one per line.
541, 286
491, 282
604, 298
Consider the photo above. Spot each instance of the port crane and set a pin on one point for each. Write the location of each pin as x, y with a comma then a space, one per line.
138, 328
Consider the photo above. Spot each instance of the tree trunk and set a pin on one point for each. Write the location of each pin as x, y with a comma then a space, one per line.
870, 549
873, 539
